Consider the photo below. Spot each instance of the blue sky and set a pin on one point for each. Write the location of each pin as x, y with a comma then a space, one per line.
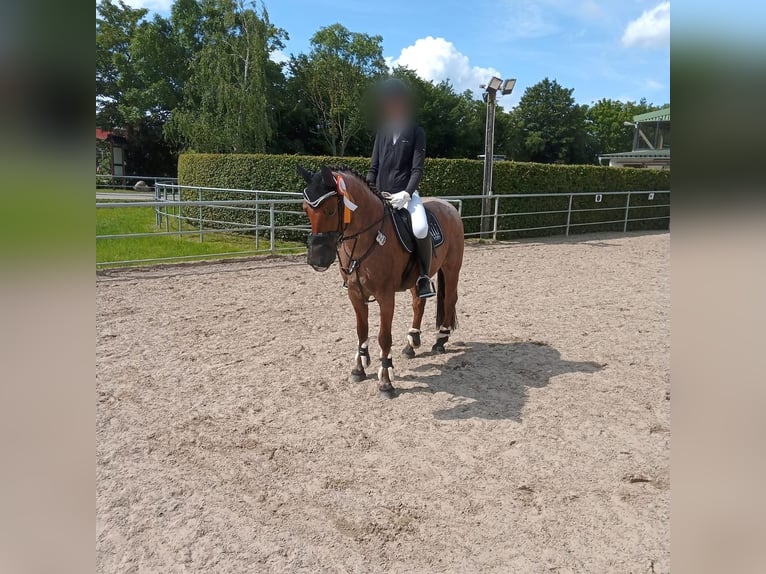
602, 48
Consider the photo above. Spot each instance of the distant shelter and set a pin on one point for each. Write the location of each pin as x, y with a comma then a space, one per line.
114, 145
651, 143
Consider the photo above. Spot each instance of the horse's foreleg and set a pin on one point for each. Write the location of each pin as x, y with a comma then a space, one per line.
362, 358
386, 371
413, 335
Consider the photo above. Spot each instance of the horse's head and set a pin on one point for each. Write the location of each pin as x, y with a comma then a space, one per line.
323, 205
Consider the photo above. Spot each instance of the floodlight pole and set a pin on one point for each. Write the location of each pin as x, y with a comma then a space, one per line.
489, 154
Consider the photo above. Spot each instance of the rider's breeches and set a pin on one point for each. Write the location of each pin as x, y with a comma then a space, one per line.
418, 216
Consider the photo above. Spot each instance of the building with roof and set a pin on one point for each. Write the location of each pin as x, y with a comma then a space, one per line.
651, 143
115, 144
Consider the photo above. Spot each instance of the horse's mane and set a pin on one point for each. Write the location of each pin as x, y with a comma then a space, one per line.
346, 169
350, 170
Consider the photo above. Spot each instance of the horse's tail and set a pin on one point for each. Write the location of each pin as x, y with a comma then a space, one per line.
440, 311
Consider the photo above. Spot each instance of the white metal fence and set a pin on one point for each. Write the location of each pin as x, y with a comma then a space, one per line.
127, 182
277, 224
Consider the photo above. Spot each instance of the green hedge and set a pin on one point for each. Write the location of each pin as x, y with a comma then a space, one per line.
454, 177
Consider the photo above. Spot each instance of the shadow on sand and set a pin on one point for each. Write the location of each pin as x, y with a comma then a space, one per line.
490, 380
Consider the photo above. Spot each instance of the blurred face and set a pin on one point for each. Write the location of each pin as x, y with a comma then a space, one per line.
396, 109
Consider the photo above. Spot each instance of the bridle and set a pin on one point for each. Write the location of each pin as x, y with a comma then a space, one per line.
340, 235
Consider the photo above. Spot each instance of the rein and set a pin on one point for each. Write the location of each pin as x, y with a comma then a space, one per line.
344, 220
355, 264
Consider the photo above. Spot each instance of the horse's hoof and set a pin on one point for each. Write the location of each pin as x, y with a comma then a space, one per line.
357, 376
387, 394
408, 352
437, 348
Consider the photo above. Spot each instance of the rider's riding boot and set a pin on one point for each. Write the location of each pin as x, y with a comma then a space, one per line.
423, 287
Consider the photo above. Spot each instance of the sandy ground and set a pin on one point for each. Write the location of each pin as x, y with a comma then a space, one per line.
230, 440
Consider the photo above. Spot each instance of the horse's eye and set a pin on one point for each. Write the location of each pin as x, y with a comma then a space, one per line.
331, 211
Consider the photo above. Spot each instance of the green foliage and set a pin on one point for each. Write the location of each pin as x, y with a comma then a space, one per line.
453, 122
116, 25
455, 177
550, 125
225, 106
203, 80
605, 124
140, 71
335, 75
159, 71
103, 157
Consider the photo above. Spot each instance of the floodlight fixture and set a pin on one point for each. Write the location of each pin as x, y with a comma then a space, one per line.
508, 86
629, 124
489, 96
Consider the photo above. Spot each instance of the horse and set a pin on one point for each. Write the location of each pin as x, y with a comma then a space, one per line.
354, 223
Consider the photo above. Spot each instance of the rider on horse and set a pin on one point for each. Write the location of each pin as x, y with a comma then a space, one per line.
397, 168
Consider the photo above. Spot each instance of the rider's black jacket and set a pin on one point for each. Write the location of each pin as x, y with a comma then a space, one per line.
398, 166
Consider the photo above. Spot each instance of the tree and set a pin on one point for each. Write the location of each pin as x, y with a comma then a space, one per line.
116, 24
202, 79
508, 139
605, 125
550, 125
225, 107
159, 71
295, 119
335, 75
141, 69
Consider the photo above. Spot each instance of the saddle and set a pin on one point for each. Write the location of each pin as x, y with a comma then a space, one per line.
403, 227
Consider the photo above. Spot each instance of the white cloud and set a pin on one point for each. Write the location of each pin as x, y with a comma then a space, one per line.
651, 29
436, 59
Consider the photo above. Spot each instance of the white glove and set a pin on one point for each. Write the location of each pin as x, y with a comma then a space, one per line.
399, 200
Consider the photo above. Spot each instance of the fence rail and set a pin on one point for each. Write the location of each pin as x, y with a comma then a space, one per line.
270, 216
127, 182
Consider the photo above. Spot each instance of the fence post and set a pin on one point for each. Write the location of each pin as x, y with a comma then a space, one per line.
627, 212
257, 221
165, 211
178, 207
157, 220
201, 230
271, 227
494, 224
569, 212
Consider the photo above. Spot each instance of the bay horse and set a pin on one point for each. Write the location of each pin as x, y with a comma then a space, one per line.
351, 221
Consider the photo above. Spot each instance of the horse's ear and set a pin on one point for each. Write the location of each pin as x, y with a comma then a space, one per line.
327, 176
304, 173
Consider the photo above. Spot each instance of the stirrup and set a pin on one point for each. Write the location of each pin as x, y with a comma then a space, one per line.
421, 293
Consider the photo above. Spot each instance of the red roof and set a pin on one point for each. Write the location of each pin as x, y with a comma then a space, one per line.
102, 134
